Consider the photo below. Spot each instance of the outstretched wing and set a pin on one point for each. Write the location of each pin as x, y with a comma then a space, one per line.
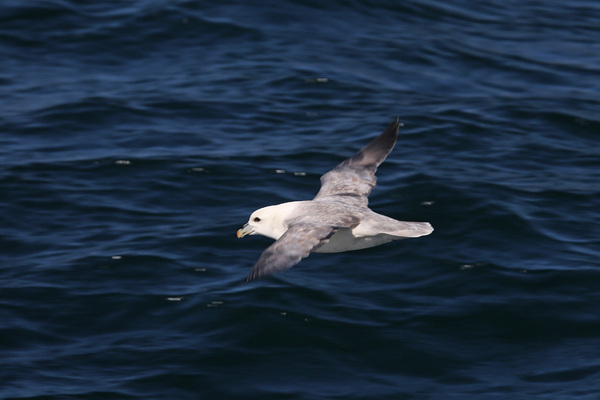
294, 245
355, 177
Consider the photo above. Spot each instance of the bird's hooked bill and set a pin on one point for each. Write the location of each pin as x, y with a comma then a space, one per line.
246, 230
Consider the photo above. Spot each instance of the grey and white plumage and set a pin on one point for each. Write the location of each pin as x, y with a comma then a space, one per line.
338, 218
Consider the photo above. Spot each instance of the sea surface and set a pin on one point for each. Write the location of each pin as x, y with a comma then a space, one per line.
137, 136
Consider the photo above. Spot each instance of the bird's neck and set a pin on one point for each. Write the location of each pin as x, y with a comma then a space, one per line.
282, 214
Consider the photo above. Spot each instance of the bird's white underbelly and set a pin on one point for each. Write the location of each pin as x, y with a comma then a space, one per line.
344, 240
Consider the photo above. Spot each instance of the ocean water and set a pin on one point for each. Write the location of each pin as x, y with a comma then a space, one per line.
137, 137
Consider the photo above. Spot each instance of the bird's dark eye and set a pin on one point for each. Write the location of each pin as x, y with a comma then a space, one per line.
256, 219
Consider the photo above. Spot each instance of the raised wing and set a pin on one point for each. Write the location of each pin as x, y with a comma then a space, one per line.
354, 178
295, 244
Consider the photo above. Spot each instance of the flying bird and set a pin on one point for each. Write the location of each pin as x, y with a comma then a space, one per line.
338, 218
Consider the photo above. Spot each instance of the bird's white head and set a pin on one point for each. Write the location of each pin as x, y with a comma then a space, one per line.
269, 221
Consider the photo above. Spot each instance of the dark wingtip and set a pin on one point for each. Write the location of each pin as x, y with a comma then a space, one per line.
395, 125
390, 134
375, 152
253, 275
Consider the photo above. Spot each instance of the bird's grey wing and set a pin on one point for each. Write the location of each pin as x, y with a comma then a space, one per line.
354, 178
294, 245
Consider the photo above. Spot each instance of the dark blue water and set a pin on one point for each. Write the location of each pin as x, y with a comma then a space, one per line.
137, 137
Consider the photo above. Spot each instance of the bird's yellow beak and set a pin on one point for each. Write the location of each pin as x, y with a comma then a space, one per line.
246, 230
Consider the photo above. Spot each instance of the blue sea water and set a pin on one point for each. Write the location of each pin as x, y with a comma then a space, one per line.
137, 137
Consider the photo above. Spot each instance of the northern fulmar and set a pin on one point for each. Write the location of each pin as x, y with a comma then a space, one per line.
338, 218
